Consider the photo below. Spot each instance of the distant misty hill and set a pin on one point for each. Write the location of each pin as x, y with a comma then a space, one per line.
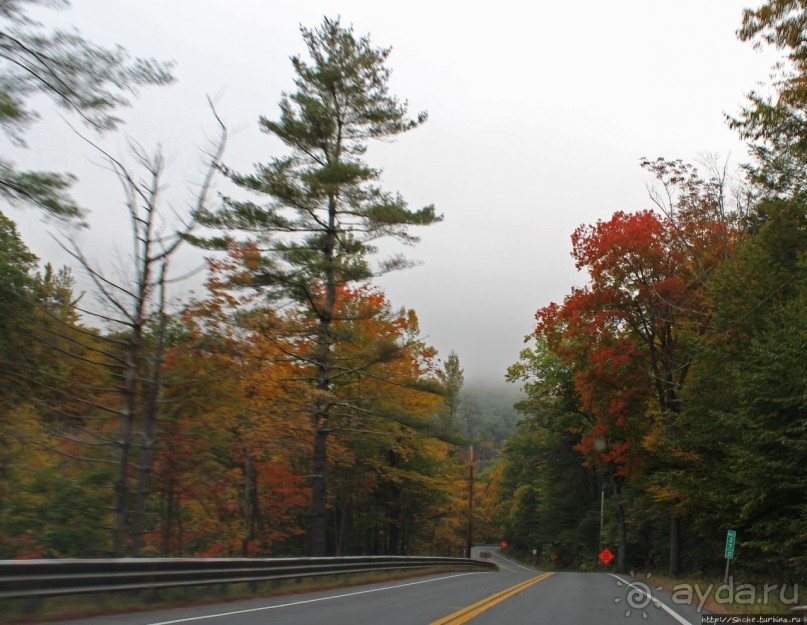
486, 412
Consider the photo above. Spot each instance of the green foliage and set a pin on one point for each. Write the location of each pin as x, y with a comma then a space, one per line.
754, 427
17, 287
16, 261
56, 512
77, 76
548, 497
452, 379
486, 414
324, 207
47, 190
777, 127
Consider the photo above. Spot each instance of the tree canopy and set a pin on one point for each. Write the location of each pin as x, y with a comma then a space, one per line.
78, 76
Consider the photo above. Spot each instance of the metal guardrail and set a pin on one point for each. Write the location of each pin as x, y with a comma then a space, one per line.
43, 578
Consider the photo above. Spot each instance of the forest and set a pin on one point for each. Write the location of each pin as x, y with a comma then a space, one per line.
669, 391
290, 409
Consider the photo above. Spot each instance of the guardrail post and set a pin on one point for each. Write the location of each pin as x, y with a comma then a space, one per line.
148, 595
33, 605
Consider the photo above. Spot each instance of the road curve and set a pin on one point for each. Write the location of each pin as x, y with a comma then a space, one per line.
515, 595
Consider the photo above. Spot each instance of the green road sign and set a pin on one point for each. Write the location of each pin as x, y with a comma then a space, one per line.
731, 539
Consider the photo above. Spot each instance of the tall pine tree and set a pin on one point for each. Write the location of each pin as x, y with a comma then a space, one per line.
324, 207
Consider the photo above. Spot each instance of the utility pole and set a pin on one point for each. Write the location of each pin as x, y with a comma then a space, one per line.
469, 542
602, 514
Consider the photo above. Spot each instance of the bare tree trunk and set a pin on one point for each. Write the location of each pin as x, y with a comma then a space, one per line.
167, 518
319, 525
345, 516
675, 546
249, 528
149, 419
120, 523
134, 303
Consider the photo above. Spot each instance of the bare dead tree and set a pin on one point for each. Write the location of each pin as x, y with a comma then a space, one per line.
135, 311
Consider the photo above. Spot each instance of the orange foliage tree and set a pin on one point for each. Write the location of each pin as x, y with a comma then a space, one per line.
229, 473
233, 472
391, 474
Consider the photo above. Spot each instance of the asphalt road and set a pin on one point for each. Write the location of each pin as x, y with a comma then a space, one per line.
515, 595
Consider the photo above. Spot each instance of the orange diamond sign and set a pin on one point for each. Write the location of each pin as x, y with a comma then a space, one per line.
606, 556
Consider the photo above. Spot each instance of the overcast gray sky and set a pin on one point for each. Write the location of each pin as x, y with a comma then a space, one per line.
538, 115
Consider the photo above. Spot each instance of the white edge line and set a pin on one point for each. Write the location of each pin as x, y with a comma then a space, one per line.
498, 555
663, 605
293, 603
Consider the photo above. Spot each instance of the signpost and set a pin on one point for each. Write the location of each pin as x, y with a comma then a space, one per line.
731, 540
469, 531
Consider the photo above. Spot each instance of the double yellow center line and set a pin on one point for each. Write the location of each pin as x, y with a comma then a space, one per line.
467, 613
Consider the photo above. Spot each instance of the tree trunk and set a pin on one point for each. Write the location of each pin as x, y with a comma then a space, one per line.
343, 545
167, 518
120, 507
120, 521
675, 546
622, 533
146, 459
249, 527
150, 414
319, 525
319, 522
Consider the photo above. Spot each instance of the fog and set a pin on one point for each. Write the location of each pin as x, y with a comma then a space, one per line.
538, 117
